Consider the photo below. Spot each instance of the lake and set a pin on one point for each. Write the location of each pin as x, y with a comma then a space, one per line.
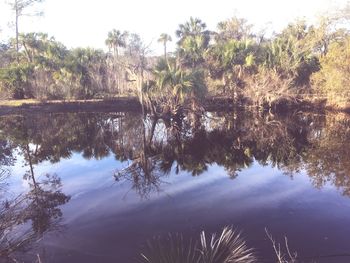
95, 187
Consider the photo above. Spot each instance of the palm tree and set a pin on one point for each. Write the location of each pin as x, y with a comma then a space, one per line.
192, 49
194, 40
164, 38
174, 84
115, 40
193, 27
229, 60
18, 6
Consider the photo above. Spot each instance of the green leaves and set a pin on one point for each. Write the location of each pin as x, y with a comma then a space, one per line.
177, 81
290, 54
334, 77
194, 41
15, 78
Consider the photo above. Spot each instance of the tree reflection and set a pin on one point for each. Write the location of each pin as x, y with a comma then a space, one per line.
144, 172
328, 160
155, 148
24, 219
6, 160
6, 153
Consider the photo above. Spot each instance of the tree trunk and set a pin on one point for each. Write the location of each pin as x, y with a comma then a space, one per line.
17, 16
31, 166
165, 52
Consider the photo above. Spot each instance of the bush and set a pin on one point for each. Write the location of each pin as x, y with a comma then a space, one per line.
15, 79
333, 79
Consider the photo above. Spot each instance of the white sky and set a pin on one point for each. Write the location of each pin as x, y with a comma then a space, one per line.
87, 22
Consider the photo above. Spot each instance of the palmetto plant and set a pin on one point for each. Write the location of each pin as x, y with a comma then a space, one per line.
174, 80
174, 86
86, 66
229, 247
230, 60
192, 49
290, 54
283, 56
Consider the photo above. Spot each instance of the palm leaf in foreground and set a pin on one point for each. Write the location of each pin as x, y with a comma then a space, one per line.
229, 247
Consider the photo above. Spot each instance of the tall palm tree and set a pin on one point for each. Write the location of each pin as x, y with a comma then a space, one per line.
194, 40
193, 27
164, 38
115, 40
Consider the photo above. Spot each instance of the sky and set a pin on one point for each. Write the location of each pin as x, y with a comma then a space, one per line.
86, 23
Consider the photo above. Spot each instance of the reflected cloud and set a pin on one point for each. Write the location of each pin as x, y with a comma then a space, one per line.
122, 165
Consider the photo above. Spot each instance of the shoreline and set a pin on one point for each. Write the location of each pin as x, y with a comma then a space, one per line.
8, 107
113, 104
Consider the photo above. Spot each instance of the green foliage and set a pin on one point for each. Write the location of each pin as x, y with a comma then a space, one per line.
42, 51
193, 27
231, 61
172, 79
46, 69
16, 79
227, 61
223, 56
192, 49
173, 89
290, 54
194, 41
33, 75
115, 40
333, 79
84, 67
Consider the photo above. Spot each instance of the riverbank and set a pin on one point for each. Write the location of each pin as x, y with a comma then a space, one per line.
100, 105
133, 104
31, 106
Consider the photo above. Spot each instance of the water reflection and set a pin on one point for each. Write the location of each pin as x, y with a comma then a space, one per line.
314, 143
154, 148
150, 150
25, 217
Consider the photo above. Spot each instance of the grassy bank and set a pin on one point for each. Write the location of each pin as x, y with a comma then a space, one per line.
27, 106
28, 102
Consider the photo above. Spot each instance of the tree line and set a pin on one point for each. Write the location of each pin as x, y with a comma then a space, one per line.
302, 60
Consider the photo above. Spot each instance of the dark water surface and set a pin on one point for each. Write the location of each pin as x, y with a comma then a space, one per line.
94, 187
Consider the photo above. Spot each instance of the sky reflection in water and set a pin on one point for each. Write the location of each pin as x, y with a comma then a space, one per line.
287, 173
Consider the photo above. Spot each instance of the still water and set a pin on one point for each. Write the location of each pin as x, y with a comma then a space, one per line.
95, 187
